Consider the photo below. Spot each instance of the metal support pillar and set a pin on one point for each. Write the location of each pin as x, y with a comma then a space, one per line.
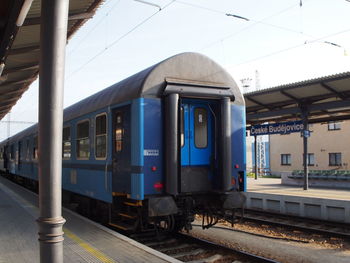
305, 148
256, 156
54, 15
172, 139
226, 144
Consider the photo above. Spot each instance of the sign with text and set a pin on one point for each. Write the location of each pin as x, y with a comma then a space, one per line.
277, 128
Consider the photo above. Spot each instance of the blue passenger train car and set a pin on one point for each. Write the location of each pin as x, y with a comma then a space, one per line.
154, 149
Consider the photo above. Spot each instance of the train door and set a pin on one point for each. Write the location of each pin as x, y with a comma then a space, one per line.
121, 150
6, 157
196, 138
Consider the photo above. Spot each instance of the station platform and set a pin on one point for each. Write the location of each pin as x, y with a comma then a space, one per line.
274, 186
321, 203
85, 241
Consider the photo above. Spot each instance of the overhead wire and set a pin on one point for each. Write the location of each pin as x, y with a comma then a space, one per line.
120, 38
181, 2
255, 22
296, 46
204, 8
300, 5
222, 39
93, 28
279, 51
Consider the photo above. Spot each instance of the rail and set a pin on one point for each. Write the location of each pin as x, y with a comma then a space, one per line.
300, 223
191, 249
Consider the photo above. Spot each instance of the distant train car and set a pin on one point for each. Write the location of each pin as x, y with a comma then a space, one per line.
152, 150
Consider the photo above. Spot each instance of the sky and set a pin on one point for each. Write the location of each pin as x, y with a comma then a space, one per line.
275, 42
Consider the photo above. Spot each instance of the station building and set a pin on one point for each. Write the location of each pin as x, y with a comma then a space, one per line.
328, 148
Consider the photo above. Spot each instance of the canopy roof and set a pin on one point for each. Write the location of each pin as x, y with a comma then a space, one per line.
20, 45
324, 99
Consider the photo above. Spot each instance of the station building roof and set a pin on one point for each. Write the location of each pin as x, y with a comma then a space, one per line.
325, 99
20, 44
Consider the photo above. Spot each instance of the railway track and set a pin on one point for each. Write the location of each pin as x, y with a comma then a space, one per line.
194, 250
304, 224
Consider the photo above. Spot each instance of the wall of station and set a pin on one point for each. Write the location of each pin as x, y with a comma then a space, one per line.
329, 148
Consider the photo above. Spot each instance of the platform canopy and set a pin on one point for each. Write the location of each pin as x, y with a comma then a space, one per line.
20, 43
324, 99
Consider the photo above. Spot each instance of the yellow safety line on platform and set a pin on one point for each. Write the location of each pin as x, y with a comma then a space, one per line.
93, 251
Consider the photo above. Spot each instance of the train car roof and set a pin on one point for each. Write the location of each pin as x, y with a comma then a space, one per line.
188, 70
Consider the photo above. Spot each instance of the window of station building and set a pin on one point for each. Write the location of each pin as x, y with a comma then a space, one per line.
101, 136
310, 159
333, 126
66, 143
83, 141
119, 132
286, 159
200, 128
335, 159
35, 148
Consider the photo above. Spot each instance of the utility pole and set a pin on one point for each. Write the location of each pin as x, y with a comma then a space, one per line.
261, 154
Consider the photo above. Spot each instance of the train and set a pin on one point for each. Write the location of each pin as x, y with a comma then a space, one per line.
151, 151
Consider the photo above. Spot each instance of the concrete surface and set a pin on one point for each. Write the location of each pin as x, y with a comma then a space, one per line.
326, 204
85, 241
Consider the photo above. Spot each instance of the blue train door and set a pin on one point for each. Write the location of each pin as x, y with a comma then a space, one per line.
121, 150
196, 138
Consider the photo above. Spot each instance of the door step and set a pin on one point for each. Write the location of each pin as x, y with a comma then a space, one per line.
129, 216
122, 226
133, 203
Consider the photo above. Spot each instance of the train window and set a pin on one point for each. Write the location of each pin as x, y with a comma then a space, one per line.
23, 152
66, 143
1, 153
12, 152
83, 141
27, 154
182, 126
101, 136
200, 127
119, 133
20, 151
35, 148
